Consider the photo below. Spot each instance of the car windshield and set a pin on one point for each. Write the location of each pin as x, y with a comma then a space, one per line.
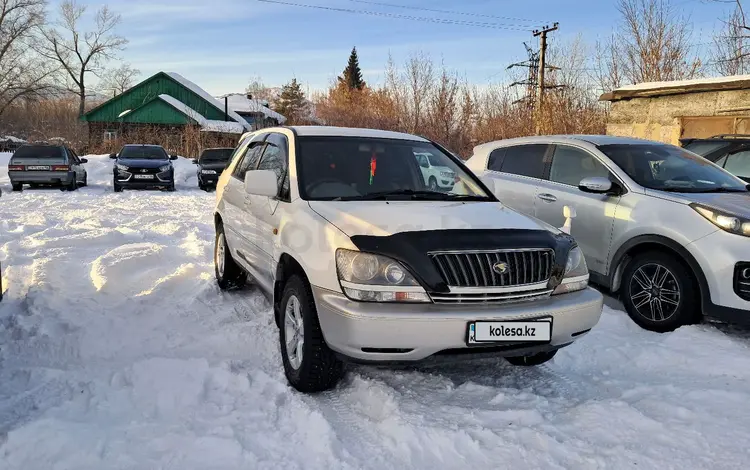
358, 168
38, 151
671, 168
216, 155
704, 147
143, 153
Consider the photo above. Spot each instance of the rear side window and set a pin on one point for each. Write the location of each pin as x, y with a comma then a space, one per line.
495, 161
525, 160
38, 151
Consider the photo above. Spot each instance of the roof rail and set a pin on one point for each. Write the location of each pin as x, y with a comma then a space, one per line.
726, 136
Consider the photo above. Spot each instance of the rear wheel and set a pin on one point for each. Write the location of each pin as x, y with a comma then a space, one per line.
85, 180
17, 186
72, 186
228, 273
309, 364
660, 293
533, 359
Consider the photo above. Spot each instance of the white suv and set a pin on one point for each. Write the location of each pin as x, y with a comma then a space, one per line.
364, 262
666, 229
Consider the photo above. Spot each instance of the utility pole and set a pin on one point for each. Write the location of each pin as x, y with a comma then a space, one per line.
542, 64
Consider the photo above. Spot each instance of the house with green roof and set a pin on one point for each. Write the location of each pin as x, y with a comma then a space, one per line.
165, 109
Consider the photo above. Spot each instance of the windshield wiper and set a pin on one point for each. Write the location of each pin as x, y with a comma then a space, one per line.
410, 193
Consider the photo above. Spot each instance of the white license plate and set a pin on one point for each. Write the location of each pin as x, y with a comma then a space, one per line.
143, 177
38, 167
505, 331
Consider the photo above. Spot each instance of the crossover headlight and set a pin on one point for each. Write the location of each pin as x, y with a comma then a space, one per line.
122, 167
164, 168
576, 273
208, 172
368, 277
724, 220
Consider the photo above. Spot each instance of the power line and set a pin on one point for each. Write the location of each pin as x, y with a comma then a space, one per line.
409, 7
477, 24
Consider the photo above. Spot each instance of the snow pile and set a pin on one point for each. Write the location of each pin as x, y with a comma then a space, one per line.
207, 125
117, 350
206, 96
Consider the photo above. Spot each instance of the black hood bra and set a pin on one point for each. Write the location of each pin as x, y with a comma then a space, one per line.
412, 248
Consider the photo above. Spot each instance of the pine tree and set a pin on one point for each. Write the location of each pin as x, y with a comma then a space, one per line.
292, 102
352, 73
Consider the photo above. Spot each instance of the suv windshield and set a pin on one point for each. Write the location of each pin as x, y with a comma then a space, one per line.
216, 155
359, 168
143, 153
670, 168
38, 151
704, 147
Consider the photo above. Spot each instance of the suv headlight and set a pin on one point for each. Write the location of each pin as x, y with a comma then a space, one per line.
164, 168
367, 277
576, 273
122, 167
724, 220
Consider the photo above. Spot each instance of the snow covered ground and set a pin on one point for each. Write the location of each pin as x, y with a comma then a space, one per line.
118, 351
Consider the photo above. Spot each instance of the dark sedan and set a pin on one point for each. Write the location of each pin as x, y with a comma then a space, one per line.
143, 167
211, 164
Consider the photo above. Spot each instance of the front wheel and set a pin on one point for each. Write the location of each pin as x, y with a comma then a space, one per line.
309, 364
228, 273
533, 359
660, 293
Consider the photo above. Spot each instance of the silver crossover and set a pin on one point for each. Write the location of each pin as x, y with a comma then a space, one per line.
666, 229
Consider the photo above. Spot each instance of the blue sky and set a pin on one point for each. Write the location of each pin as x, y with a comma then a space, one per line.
223, 44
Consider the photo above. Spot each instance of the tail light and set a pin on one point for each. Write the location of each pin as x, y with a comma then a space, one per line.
16, 167
60, 168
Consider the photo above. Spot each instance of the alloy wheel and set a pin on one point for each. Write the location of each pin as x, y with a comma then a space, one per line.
294, 332
220, 254
654, 292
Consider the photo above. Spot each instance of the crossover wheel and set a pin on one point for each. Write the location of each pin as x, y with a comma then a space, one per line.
309, 364
659, 292
433, 184
228, 273
533, 359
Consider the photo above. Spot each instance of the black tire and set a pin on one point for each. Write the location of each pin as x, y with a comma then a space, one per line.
660, 314
72, 186
229, 275
116, 187
533, 359
85, 180
17, 186
320, 369
171, 187
432, 182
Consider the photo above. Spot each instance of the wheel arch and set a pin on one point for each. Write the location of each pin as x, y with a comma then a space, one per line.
286, 267
644, 243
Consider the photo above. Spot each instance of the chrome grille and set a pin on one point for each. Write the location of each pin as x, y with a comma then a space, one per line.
469, 296
475, 268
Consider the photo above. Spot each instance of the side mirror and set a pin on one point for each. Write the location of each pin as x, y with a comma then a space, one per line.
112, 155
195, 161
489, 182
84, 160
173, 157
261, 183
595, 184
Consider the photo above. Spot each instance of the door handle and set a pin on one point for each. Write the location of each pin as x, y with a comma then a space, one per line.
547, 197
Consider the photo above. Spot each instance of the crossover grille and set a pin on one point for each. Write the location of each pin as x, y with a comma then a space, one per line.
499, 268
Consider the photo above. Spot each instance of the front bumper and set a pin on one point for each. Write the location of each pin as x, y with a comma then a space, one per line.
382, 332
41, 177
718, 254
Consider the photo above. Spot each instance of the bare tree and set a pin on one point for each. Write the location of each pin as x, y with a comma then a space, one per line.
116, 81
82, 53
444, 106
651, 44
22, 74
732, 44
419, 78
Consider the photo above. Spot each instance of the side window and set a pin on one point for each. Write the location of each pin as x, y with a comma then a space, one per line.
276, 158
73, 157
738, 163
249, 160
525, 160
495, 162
570, 165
